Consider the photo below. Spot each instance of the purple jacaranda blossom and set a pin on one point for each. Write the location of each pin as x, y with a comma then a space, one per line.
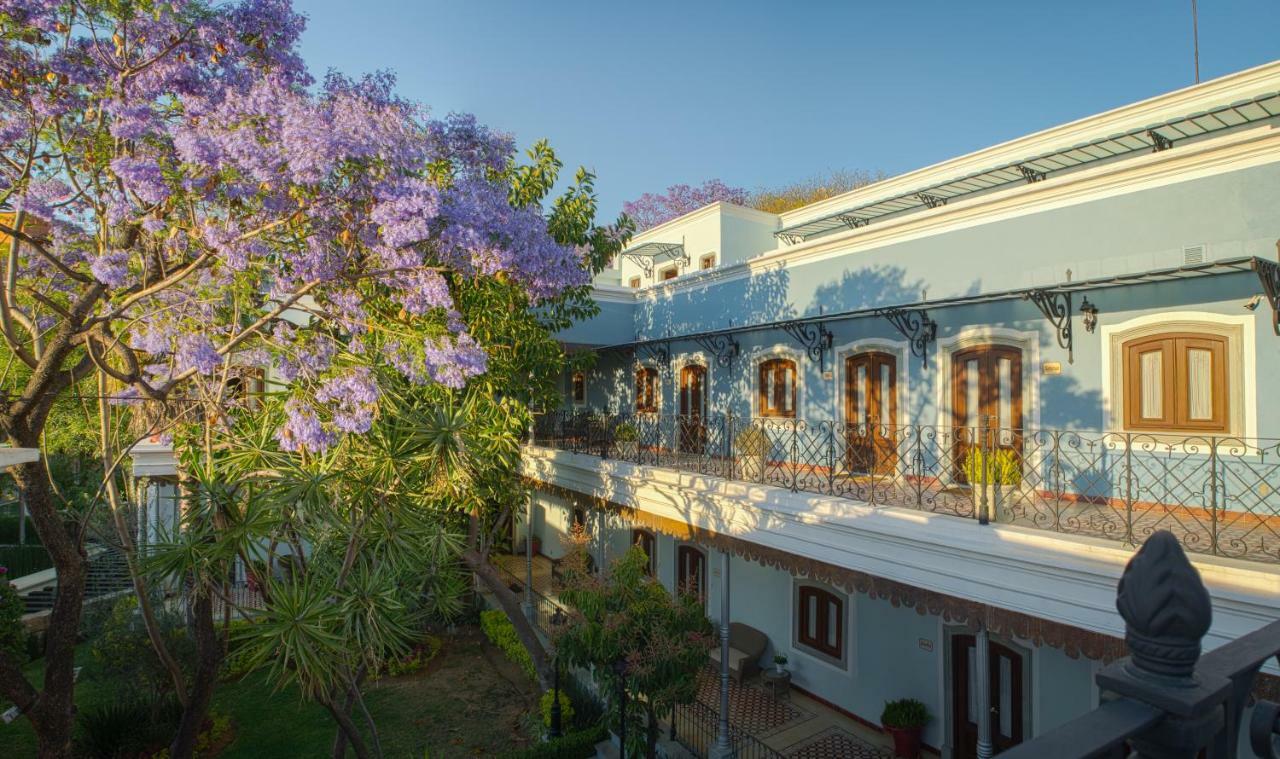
223, 154
302, 430
197, 352
650, 210
142, 177
451, 361
353, 397
111, 268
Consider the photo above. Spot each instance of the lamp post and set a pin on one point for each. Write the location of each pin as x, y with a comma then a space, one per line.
620, 669
557, 620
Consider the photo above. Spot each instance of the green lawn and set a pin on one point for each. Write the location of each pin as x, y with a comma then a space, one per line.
471, 701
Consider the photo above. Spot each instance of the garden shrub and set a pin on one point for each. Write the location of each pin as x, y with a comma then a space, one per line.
576, 745
587, 708
122, 652
499, 630
417, 659
127, 726
566, 708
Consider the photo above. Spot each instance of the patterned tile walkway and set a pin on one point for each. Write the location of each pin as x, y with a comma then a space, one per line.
834, 743
750, 708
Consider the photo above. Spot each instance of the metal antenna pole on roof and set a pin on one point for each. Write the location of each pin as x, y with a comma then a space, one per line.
1195, 38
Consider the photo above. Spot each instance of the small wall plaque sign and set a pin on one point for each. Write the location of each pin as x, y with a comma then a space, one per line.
1051, 367
926, 644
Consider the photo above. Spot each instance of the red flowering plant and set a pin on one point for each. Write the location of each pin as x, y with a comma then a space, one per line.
634, 634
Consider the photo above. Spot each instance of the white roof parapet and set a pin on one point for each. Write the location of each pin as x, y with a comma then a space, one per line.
154, 460
10, 456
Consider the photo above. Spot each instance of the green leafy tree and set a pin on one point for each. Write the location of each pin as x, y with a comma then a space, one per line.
628, 628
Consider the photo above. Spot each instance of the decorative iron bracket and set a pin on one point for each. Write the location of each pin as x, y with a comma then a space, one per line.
790, 239
723, 347
645, 262
853, 222
813, 337
933, 201
1269, 274
1056, 307
646, 254
1159, 141
659, 353
1031, 175
916, 326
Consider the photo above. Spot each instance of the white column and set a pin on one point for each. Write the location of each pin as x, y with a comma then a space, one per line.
982, 690
723, 749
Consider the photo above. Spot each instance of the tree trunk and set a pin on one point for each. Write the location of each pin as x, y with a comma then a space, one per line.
339, 749
208, 661
348, 727
511, 605
52, 713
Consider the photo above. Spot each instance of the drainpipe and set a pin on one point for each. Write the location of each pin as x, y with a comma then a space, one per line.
723, 749
982, 690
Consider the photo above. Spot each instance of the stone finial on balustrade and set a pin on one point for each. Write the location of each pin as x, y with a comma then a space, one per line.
1165, 607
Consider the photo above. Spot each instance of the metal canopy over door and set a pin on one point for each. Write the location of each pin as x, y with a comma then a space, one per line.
1006, 713
986, 392
693, 405
871, 411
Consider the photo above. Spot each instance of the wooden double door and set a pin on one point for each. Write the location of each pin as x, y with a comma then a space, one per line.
986, 403
1005, 680
871, 412
693, 407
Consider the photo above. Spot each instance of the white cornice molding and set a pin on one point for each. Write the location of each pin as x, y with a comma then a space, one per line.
1062, 578
613, 294
1224, 90
1240, 150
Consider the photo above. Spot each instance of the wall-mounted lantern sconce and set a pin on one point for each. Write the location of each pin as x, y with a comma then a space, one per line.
1090, 313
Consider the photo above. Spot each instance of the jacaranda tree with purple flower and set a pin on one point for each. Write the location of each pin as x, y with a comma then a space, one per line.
186, 205
651, 209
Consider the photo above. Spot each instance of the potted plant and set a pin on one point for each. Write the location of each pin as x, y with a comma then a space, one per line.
625, 437
751, 447
905, 719
780, 661
1004, 475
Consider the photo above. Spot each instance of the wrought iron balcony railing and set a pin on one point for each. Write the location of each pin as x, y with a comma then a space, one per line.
1217, 495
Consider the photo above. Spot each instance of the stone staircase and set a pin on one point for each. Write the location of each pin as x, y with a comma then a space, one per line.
108, 573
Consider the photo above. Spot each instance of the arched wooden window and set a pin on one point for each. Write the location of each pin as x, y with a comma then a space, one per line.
820, 621
777, 388
648, 544
646, 390
579, 387
1176, 382
691, 572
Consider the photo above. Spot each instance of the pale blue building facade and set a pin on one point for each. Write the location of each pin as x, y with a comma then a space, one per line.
952, 401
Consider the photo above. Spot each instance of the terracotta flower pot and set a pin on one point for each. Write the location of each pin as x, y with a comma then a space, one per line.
906, 741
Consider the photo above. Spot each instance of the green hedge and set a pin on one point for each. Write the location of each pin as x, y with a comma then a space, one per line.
498, 629
577, 745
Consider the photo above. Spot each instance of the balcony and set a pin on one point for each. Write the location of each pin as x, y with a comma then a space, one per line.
1217, 495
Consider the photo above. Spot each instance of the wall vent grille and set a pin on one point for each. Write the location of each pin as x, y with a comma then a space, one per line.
1193, 254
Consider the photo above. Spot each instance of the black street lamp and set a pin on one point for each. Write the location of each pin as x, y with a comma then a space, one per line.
557, 620
620, 669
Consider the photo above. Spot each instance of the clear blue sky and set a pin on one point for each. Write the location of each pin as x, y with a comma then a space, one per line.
649, 94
